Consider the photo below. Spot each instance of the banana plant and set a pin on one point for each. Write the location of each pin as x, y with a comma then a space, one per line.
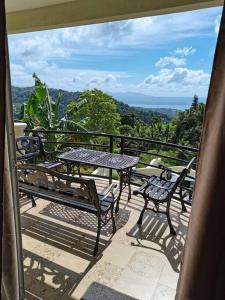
41, 112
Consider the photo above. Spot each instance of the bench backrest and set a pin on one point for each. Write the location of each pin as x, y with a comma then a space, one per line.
49, 181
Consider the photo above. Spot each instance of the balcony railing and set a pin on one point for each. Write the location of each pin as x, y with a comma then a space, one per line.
147, 149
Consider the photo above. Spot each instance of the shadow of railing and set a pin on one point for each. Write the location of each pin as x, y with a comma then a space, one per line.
46, 279
97, 291
154, 229
71, 240
24, 201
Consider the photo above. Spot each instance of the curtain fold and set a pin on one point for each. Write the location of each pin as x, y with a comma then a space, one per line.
11, 274
203, 269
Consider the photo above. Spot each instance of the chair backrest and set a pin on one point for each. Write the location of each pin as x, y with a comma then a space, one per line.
46, 180
184, 172
27, 147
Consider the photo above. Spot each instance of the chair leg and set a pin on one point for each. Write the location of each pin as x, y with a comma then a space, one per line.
113, 220
139, 222
97, 238
32, 200
172, 231
182, 200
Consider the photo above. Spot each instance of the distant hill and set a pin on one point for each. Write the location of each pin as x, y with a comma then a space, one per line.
155, 103
170, 112
21, 94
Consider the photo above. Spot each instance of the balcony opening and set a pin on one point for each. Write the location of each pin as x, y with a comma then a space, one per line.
132, 89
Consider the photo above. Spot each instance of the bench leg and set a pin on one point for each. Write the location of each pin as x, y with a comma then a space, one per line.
172, 231
97, 238
139, 222
182, 200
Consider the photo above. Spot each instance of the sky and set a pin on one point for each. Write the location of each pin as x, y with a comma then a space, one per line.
169, 55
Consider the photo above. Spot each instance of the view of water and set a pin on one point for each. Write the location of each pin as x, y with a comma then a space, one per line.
179, 107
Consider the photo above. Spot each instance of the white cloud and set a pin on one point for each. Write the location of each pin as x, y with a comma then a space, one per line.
113, 37
177, 80
52, 54
185, 51
170, 60
68, 79
217, 23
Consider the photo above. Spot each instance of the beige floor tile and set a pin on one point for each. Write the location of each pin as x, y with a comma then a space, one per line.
163, 292
118, 254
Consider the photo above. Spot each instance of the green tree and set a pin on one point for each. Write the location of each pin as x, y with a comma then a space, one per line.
126, 130
42, 112
188, 126
129, 118
96, 111
195, 102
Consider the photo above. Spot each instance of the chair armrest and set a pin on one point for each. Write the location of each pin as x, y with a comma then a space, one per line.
166, 171
143, 187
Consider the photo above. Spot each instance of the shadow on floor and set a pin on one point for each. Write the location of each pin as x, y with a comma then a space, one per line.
155, 229
47, 280
83, 219
24, 201
97, 291
74, 241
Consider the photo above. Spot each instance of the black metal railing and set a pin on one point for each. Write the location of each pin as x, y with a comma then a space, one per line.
146, 149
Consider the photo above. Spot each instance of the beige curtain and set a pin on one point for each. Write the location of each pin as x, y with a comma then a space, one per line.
203, 271
10, 246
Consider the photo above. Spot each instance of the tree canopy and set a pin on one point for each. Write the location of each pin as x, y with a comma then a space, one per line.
96, 111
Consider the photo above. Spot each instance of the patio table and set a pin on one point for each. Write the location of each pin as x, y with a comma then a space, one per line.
122, 163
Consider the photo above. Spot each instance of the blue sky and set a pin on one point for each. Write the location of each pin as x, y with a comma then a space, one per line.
169, 55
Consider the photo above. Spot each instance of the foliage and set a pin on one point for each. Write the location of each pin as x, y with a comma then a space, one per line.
96, 111
127, 113
126, 130
188, 125
42, 111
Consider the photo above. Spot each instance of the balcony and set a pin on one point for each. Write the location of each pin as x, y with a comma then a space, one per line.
136, 263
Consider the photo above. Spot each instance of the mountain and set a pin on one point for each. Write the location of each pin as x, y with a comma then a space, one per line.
21, 94
170, 112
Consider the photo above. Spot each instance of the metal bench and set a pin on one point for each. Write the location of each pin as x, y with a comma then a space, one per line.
75, 192
159, 189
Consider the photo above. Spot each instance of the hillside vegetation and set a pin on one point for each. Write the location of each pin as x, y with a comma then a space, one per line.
94, 110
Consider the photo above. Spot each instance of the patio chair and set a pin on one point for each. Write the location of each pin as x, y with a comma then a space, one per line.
31, 148
160, 189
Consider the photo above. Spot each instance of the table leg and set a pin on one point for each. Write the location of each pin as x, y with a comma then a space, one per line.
128, 182
68, 168
78, 170
120, 192
125, 177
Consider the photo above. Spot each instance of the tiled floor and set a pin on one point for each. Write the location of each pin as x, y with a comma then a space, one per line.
134, 264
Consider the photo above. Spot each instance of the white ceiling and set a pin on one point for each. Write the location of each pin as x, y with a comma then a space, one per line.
16, 5
33, 15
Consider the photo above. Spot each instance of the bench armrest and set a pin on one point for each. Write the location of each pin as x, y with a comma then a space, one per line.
110, 190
